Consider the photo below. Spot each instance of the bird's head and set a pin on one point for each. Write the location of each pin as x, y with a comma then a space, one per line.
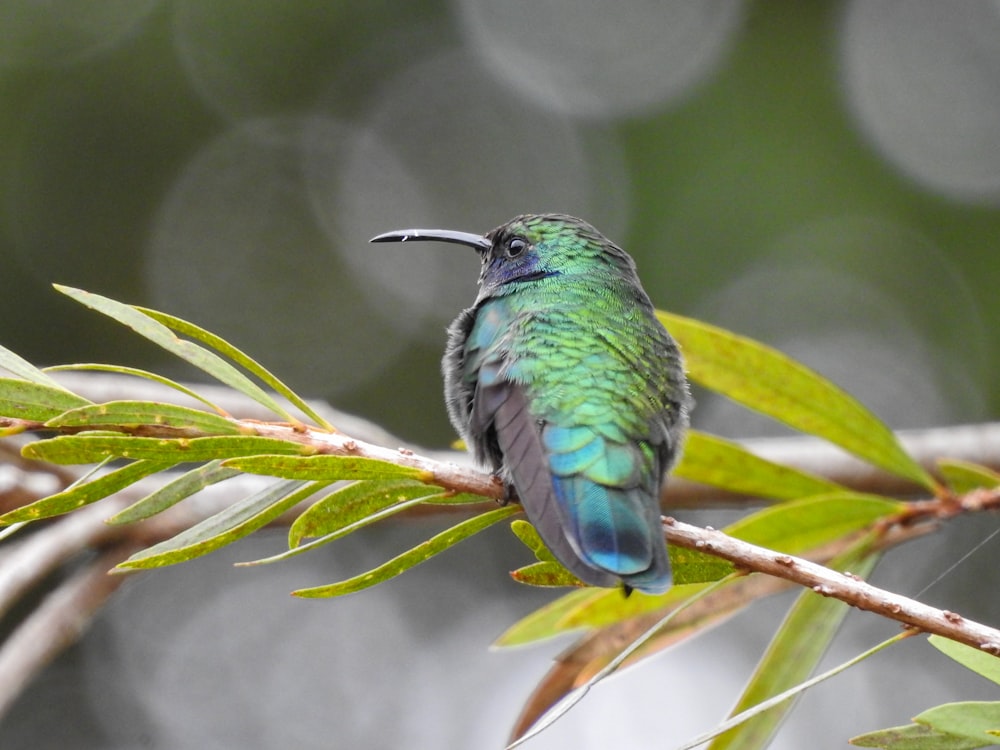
529, 248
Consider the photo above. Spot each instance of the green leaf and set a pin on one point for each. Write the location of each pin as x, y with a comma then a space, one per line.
547, 621
786, 695
326, 467
173, 492
189, 351
237, 356
524, 531
359, 515
21, 399
978, 661
85, 493
975, 720
791, 657
543, 713
593, 608
689, 566
916, 737
136, 372
92, 447
415, 556
235, 522
799, 525
22, 368
792, 527
353, 503
693, 566
721, 463
764, 379
547, 573
136, 413
447, 497
965, 476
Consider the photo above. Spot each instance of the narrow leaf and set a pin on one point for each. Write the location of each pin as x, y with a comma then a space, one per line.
980, 662
964, 476
799, 525
689, 566
791, 693
22, 368
136, 413
340, 532
594, 651
235, 522
609, 608
189, 351
351, 504
793, 527
84, 493
917, 737
173, 492
136, 372
721, 463
415, 556
447, 497
325, 467
239, 357
22, 399
547, 573
764, 379
976, 720
791, 656
545, 621
524, 531
89, 448
694, 566
523, 732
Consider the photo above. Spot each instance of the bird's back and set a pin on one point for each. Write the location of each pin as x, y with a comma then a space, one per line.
575, 390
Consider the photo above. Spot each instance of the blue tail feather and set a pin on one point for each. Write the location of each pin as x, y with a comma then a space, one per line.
609, 524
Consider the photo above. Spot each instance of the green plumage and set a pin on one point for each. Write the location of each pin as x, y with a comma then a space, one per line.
561, 379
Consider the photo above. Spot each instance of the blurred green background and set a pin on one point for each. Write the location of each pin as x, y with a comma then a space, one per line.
824, 176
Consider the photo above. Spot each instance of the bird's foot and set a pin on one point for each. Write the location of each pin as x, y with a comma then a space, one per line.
509, 493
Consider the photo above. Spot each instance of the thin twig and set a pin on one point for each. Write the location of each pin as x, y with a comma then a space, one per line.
975, 443
843, 586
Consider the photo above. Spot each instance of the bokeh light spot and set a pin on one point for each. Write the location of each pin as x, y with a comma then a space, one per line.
849, 297
445, 146
600, 58
923, 81
236, 248
61, 32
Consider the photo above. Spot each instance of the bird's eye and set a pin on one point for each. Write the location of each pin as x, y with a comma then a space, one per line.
515, 247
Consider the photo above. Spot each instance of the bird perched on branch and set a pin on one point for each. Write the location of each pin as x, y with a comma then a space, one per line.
562, 380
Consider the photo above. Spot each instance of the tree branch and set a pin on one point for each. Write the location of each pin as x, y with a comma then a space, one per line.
843, 586
976, 443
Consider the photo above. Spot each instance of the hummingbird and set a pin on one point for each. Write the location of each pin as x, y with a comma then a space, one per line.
562, 381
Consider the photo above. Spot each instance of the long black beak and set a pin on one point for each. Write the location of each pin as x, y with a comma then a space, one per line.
476, 241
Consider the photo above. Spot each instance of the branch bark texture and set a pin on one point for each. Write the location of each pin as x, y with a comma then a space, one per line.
843, 586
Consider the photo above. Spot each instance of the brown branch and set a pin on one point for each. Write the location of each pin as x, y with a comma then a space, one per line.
843, 586
976, 443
